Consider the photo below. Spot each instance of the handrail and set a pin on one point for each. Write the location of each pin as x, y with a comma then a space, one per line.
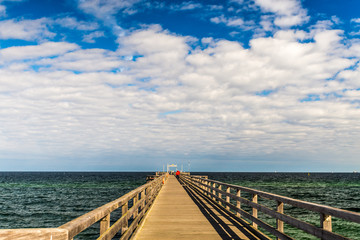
336, 212
140, 200
215, 191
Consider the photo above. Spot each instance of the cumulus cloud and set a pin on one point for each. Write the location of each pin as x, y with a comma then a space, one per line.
105, 11
287, 12
46, 49
84, 60
157, 95
25, 29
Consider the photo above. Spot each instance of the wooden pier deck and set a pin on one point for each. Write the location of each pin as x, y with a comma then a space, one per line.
179, 213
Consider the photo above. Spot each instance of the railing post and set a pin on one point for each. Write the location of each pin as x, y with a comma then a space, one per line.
209, 190
254, 210
238, 203
147, 192
135, 199
228, 198
214, 192
142, 197
124, 210
206, 188
219, 194
104, 224
279, 223
325, 222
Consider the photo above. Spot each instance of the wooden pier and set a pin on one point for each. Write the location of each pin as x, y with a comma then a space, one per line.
193, 207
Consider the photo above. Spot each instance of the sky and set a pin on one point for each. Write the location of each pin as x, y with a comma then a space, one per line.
131, 85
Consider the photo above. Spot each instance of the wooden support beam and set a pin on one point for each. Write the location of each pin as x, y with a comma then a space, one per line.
228, 198
219, 194
142, 197
279, 223
214, 192
135, 199
238, 203
124, 210
104, 224
254, 210
325, 222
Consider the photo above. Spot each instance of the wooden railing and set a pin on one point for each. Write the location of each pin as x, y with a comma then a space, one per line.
139, 199
230, 197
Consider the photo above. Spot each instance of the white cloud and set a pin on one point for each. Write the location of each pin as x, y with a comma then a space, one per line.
287, 12
89, 60
355, 20
186, 6
25, 29
46, 49
276, 97
219, 19
2, 10
266, 23
215, 7
91, 36
233, 22
73, 23
106, 10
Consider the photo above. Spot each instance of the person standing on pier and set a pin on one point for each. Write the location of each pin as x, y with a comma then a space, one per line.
177, 174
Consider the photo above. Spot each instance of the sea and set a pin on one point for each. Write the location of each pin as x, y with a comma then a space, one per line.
50, 199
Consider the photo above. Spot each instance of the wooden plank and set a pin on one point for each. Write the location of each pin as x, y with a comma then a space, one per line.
34, 233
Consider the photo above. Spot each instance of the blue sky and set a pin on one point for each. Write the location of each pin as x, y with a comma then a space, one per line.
237, 85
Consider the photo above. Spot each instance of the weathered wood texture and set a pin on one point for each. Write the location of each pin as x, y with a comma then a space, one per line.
178, 214
213, 190
34, 233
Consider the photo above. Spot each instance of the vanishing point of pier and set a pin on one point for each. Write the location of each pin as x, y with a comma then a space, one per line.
193, 207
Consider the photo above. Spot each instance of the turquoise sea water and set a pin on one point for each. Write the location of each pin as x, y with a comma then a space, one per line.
40, 199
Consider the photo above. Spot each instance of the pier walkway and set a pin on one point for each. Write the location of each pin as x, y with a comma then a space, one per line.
179, 213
